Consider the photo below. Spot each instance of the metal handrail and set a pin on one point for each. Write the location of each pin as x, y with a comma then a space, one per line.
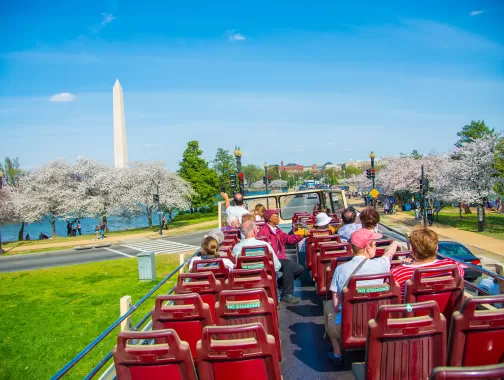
113, 326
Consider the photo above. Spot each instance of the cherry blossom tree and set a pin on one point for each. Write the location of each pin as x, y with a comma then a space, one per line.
277, 184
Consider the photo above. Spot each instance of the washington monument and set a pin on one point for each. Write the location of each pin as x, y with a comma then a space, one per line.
120, 143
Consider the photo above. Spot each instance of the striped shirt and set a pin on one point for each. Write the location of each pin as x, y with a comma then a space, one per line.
403, 273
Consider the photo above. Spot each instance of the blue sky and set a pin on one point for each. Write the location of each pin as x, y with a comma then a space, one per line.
306, 82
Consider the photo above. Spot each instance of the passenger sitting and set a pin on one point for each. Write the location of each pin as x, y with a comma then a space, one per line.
249, 230
322, 221
233, 222
364, 249
259, 211
217, 235
248, 217
209, 250
424, 247
348, 216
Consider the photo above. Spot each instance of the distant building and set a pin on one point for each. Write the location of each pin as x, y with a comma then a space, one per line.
291, 168
362, 165
335, 167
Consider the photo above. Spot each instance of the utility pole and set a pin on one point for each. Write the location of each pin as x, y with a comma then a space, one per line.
1, 184
372, 157
266, 182
159, 211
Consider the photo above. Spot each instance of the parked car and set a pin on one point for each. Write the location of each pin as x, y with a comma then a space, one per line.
458, 251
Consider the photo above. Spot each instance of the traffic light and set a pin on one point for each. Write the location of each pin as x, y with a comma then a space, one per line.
240, 181
269, 179
264, 180
373, 173
424, 185
368, 173
232, 180
155, 197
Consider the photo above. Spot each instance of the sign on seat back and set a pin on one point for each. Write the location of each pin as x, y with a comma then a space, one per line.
477, 336
237, 307
361, 303
240, 279
405, 348
324, 258
441, 284
216, 266
251, 358
487, 372
204, 284
169, 358
256, 262
257, 250
187, 316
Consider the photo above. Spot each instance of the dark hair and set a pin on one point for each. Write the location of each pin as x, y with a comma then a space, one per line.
238, 199
209, 248
348, 215
369, 217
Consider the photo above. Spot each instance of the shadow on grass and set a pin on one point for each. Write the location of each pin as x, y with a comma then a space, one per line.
494, 223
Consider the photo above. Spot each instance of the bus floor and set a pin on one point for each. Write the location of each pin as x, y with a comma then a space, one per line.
304, 346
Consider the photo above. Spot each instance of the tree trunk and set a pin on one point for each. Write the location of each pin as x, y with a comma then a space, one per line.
460, 210
149, 215
104, 220
21, 232
53, 224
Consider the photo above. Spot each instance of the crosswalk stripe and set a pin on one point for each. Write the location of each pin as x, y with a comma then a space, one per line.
160, 246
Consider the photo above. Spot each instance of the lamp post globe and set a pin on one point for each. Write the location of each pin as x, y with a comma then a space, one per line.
372, 155
237, 152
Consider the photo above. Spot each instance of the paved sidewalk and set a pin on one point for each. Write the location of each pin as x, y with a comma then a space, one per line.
486, 243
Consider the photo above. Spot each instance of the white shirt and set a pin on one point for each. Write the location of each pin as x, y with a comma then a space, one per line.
238, 211
343, 272
253, 242
228, 263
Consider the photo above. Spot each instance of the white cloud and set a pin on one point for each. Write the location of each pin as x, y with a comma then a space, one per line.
330, 143
300, 150
347, 149
475, 13
107, 19
62, 97
236, 36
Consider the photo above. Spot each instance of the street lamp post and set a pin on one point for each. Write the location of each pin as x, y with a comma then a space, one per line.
159, 211
238, 155
266, 177
1, 184
372, 157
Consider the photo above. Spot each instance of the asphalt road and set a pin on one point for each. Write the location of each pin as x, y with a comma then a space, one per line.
70, 256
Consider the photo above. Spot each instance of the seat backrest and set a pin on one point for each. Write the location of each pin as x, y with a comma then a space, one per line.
169, 358
216, 266
381, 250
405, 348
398, 257
257, 250
324, 232
383, 242
297, 215
240, 279
487, 372
232, 238
441, 284
231, 232
252, 357
361, 303
228, 254
187, 315
477, 336
313, 245
323, 261
330, 271
204, 284
237, 307
256, 262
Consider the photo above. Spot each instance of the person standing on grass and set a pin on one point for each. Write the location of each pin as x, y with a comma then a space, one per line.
79, 227
97, 232
102, 230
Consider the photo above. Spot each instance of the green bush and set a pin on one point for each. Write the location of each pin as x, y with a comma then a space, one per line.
195, 215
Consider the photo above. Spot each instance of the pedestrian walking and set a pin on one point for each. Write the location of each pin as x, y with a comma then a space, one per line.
163, 222
79, 227
385, 206
102, 230
97, 232
69, 229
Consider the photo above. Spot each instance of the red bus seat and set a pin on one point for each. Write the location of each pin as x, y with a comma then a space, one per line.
383, 243
257, 250
405, 348
381, 250
251, 358
236, 307
204, 284
241, 279
256, 262
330, 271
216, 266
320, 232
323, 261
169, 358
360, 304
228, 254
232, 232
232, 238
487, 372
397, 258
187, 316
477, 336
313, 244
444, 285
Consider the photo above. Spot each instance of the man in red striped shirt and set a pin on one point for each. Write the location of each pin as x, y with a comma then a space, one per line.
424, 247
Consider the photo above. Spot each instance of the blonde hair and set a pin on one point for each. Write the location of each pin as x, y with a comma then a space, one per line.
260, 210
209, 247
246, 217
424, 243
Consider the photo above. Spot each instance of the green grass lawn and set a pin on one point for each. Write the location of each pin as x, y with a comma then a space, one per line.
49, 315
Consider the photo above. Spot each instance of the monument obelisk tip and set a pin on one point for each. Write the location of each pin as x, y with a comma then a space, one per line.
120, 144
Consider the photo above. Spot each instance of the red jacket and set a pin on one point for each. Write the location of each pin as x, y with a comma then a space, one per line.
278, 240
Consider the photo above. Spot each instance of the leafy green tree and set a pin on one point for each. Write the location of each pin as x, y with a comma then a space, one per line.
252, 173
194, 169
415, 154
274, 172
473, 131
12, 173
224, 164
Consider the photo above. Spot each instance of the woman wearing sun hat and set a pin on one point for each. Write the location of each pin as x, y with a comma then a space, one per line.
322, 221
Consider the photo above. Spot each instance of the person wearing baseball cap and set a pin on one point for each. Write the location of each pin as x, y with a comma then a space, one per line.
278, 239
364, 262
